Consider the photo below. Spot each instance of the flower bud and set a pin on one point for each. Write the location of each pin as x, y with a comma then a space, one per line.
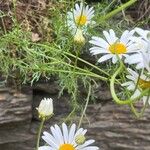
80, 139
45, 108
79, 38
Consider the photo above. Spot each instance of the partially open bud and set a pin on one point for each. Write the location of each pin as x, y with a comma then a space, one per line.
80, 139
45, 108
79, 38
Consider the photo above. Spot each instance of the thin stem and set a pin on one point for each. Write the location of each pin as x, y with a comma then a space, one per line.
3, 24
84, 61
117, 10
80, 59
140, 114
79, 73
70, 114
86, 104
39, 133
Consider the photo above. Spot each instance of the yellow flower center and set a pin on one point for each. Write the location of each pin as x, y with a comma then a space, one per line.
144, 84
66, 147
81, 20
117, 48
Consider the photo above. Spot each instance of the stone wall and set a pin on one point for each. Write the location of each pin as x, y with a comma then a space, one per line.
112, 126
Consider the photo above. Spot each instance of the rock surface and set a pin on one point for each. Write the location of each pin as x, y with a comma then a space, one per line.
112, 126
15, 118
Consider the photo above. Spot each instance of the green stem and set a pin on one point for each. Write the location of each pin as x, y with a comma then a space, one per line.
140, 114
39, 133
70, 114
117, 10
79, 73
113, 93
84, 61
80, 59
86, 104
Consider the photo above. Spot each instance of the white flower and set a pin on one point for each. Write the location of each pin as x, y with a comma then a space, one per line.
79, 38
141, 59
80, 17
64, 139
137, 83
113, 47
45, 108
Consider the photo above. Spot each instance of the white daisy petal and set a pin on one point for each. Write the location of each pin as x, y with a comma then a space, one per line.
105, 57
65, 132
46, 148
67, 140
90, 148
89, 142
99, 42
61, 139
46, 134
51, 143
108, 37
72, 133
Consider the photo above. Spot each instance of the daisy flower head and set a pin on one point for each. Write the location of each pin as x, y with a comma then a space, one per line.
113, 47
64, 138
137, 83
80, 17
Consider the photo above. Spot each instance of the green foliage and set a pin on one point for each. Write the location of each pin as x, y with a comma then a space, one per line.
28, 61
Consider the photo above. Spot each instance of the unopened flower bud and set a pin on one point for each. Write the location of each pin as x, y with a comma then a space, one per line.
80, 139
79, 38
45, 108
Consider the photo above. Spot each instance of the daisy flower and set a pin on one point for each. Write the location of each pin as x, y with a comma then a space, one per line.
137, 83
143, 44
65, 139
80, 17
113, 47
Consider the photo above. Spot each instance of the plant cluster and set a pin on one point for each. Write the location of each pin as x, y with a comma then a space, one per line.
122, 57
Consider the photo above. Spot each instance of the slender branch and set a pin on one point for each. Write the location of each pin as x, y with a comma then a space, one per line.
86, 62
140, 114
39, 133
117, 10
80, 59
86, 104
